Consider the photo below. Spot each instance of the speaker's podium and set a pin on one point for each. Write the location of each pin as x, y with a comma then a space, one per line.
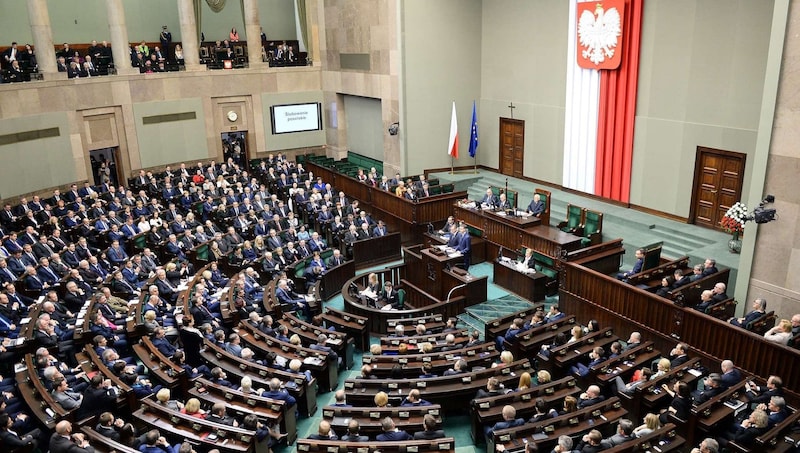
440, 275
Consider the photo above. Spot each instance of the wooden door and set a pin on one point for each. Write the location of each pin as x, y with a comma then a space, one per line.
718, 179
512, 146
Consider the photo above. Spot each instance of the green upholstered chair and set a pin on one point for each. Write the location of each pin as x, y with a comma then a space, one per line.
592, 228
401, 297
574, 221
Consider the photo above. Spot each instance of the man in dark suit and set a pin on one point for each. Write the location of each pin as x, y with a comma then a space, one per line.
590, 397
709, 267
730, 374
678, 355
759, 395
430, 432
465, 245
352, 433
61, 442
536, 208
490, 199
13, 440
336, 259
759, 308
712, 388
391, 433
510, 420
637, 266
288, 297
324, 432
389, 296
275, 392
218, 415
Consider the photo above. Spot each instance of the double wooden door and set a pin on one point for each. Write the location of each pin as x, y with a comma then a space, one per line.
718, 180
512, 146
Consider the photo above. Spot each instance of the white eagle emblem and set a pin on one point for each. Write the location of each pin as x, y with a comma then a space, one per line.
598, 33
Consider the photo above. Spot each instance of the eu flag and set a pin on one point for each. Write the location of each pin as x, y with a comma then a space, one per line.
473, 140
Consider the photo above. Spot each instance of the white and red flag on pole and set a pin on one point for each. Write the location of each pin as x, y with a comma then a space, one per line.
452, 148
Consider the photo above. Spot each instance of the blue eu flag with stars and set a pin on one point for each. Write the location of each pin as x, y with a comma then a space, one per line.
473, 139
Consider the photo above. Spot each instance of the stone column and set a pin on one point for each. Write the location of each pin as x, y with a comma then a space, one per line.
189, 41
252, 29
120, 45
39, 18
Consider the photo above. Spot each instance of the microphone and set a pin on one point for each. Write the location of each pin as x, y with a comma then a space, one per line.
454, 288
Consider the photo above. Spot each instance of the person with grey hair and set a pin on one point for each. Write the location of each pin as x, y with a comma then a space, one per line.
775, 409
730, 374
624, 433
564, 445
712, 387
391, 433
708, 445
759, 308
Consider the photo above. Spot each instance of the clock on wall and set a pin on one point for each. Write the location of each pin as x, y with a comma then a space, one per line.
232, 116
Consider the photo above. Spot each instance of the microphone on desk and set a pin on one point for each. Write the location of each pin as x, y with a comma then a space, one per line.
500, 252
454, 288
430, 228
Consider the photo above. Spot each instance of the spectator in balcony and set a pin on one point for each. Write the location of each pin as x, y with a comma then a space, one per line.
759, 308
781, 333
234, 35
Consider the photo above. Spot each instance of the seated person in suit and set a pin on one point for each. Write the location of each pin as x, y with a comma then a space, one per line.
490, 200
709, 267
464, 245
515, 328
590, 397
391, 433
746, 432
667, 284
287, 296
414, 399
730, 374
713, 387
719, 292
536, 208
390, 297
597, 356
775, 409
510, 420
637, 266
590, 443
706, 300
624, 434
527, 261
503, 203
759, 308
324, 432
352, 432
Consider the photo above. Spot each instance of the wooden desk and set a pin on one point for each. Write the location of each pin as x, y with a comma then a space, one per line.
501, 232
523, 222
477, 244
528, 286
375, 250
446, 445
423, 302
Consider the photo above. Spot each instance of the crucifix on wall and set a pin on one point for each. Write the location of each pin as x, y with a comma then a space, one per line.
511, 107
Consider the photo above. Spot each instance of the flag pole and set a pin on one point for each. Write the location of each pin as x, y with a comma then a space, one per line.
475, 164
451, 165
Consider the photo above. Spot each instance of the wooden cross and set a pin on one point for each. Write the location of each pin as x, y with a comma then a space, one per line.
511, 106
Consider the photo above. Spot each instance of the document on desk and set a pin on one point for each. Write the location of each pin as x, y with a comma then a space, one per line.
454, 254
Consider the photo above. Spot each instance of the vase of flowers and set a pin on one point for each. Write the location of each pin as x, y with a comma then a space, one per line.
733, 222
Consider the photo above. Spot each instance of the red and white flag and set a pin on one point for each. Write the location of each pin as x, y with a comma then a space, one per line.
452, 148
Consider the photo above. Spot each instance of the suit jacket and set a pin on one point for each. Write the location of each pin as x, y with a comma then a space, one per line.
536, 209
12, 441
392, 436
730, 378
429, 435
61, 444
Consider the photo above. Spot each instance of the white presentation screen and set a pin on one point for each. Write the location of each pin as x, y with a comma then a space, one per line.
296, 118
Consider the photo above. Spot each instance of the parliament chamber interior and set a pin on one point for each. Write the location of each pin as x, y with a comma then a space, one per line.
241, 227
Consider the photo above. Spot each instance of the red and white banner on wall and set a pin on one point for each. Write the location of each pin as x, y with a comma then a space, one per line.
602, 79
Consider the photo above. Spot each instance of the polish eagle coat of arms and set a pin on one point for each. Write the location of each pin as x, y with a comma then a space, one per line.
599, 34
